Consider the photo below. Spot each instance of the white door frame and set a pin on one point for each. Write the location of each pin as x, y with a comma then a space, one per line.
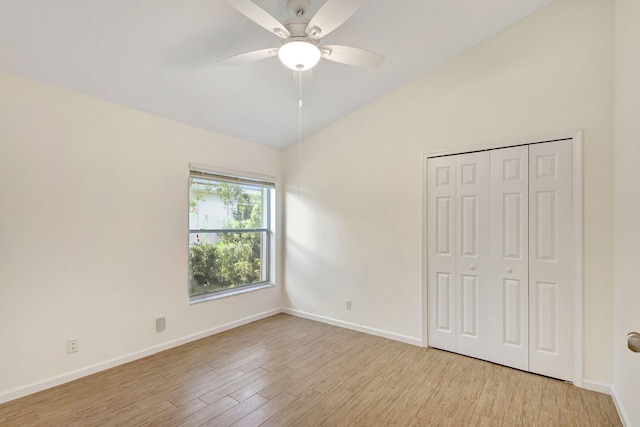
578, 251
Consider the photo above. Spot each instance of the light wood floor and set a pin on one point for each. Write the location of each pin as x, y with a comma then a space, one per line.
290, 371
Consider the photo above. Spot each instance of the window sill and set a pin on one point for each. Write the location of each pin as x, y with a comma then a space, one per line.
229, 293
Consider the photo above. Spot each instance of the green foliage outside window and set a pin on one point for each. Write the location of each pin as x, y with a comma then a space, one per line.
235, 258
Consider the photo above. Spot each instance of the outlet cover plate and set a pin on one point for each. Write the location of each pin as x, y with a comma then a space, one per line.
161, 324
73, 345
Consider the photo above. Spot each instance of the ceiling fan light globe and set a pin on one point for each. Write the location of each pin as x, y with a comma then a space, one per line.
299, 55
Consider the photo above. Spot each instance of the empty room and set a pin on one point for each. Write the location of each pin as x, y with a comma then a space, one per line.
319, 213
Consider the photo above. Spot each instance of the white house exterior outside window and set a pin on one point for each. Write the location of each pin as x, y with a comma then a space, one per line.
231, 240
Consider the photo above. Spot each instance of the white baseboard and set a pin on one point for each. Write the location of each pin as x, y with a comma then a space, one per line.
353, 326
597, 386
624, 416
610, 390
120, 360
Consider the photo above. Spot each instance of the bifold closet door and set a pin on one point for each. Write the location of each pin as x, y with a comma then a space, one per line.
500, 256
441, 255
472, 249
551, 259
458, 280
509, 311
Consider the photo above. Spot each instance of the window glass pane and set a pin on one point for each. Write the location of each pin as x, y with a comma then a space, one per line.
226, 260
229, 240
222, 205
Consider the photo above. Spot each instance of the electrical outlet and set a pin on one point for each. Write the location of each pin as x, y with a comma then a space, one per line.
161, 324
348, 305
73, 345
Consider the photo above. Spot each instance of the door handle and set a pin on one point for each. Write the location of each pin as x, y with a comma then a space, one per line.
472, 267
508, 270
633, 342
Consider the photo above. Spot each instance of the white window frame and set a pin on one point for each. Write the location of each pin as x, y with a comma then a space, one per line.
232, 176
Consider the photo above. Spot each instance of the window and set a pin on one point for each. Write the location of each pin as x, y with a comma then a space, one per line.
230, 234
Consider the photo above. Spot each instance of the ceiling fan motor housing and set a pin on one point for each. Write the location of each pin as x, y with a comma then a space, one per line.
297, 27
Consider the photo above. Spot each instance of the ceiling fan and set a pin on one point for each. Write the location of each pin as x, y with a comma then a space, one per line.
301, 35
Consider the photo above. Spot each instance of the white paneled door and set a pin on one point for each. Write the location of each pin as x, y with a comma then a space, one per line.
500, 256
509, 313
442, 272
472, 254
550, 260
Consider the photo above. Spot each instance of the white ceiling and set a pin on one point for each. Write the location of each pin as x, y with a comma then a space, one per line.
162, 56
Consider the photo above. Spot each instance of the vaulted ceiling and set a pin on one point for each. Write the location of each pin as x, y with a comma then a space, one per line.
163, 56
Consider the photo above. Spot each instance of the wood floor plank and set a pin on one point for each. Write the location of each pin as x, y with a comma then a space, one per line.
177, 415
287, 381
266, 411
285, 370
324, 408
313, 379
186, 392
232, 386
296, 409
208, 412
139, 413
261, 383
239, 411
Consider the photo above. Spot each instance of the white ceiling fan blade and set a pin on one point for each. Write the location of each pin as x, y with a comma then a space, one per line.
351, 55
260, 16
330, 16
256, 55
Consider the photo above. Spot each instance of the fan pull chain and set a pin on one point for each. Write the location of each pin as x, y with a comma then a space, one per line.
299, 127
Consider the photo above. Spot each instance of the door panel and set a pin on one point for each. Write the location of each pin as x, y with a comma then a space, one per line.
546, 317
444, 302
512, 236
443, 225
509, 257
441, 267
512, 313
469, 306
472, 260
546, 227
551, 261
469, 228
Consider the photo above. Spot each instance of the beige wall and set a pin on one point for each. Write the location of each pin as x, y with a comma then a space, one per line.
93, 232
354, 221
627, 207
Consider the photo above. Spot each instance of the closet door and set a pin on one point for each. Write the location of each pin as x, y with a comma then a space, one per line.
551, 260
509, 294
500, 256
441, 252
472, 254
